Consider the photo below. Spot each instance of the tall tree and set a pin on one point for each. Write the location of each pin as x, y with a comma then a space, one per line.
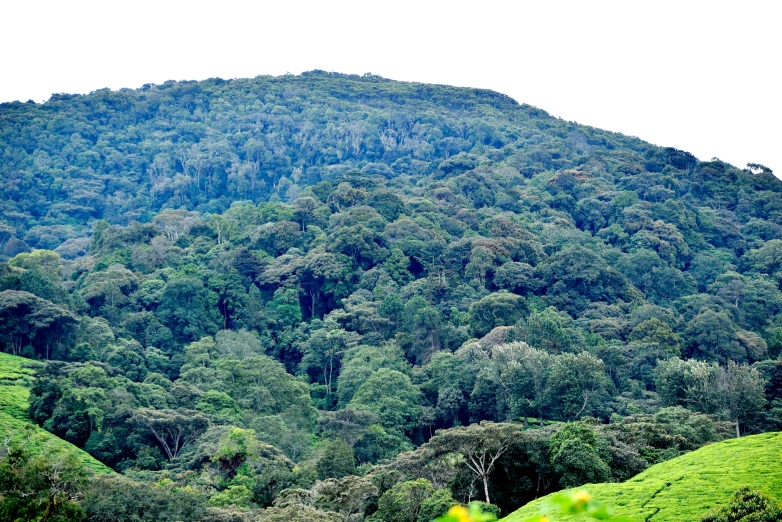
481, 445
525, 372
28, 319
579, 383
739, 391
173, 429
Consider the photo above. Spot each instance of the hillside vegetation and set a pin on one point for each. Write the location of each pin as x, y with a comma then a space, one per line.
15, 380
687, 487
15, 424
330, 296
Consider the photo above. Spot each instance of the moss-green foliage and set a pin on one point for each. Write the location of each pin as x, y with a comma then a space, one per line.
15, 425
404, 502
687, 487
436, 505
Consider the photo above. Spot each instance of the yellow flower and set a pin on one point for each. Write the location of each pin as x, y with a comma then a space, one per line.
582, 497
461, 513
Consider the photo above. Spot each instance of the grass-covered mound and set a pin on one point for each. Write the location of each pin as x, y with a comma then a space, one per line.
15, 425
687, 487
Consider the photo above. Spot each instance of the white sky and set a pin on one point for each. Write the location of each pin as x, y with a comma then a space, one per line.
699, 76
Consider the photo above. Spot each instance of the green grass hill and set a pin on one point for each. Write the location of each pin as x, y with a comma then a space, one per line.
15, 377
687, 487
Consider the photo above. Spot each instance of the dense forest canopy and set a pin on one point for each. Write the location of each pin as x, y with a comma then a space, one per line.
335, 297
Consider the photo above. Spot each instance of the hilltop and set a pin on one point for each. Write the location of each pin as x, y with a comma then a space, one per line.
123, 155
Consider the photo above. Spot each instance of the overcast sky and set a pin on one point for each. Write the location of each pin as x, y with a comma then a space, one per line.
699, 76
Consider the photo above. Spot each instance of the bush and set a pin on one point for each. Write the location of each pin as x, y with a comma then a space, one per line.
486, 508
747, 506
436, 505
404, 502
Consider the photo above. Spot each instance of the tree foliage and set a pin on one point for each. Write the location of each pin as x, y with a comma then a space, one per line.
248, 291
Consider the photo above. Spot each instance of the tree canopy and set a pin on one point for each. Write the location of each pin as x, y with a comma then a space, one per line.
338, 297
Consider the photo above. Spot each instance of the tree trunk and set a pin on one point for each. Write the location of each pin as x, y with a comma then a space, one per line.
486, 488
48, 510
738, 430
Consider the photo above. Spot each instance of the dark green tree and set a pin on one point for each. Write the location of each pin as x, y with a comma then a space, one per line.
336, 461
200, 317
404, 502
497, 309
392, 396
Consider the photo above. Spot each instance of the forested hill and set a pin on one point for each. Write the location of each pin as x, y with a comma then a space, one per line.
203, 145
306, 277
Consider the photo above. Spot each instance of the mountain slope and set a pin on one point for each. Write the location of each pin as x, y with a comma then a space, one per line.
685, 488
266, 252
14, 423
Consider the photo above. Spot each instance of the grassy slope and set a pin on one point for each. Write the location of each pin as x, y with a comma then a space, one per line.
687, 487
14, 422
